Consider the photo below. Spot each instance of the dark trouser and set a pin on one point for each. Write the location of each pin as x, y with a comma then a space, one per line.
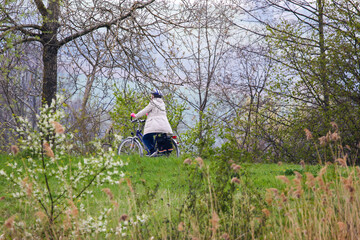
149, 141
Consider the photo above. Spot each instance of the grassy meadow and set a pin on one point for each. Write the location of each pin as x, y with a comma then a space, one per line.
177, 198
168, 175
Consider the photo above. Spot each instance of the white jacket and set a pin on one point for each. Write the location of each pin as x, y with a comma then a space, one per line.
156, 121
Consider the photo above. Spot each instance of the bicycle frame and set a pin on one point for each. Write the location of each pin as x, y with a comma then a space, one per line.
138, 134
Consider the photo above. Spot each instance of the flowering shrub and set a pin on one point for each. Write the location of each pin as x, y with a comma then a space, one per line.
47, 178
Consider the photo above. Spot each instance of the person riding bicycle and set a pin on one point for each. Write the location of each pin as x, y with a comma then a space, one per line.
156, 122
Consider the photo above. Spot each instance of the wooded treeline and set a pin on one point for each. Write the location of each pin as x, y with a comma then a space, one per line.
243, 78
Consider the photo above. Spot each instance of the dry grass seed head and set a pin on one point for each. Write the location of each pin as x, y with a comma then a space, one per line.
252, 208
270, 193
181, 227
187, 161
302, 163
27, 186
283, 197
342, 162
269, 198
323, 171
297, 182
328, 136
235, 180
115, 203
284, 179
298, 193
225, 236
200, 161
329, 212
274, 190
340, 147
108, 193
358, 171
342, 226
327, 189
128, 181
58, 127
334, 137
321, 182
14, 149
24, 182
298, 175
9, 223
235, 167
29, 190
324, 199
73, 209
266, 212
124, 217
41, 215
322, 141
48, 151
349, 183
67, 220
308, 134
310, 179
214, 222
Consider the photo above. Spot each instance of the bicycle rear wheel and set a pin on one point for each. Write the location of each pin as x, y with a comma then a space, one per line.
130, 146
176, 148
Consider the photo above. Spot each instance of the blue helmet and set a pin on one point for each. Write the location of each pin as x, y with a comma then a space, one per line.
156, 93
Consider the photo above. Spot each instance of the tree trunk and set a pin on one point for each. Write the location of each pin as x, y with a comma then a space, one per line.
50, 50
50, 73
323, 78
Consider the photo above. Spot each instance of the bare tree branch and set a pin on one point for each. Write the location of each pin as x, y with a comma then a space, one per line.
15, 43
135, 6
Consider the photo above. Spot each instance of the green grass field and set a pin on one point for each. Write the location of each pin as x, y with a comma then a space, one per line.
169, 175
172, 200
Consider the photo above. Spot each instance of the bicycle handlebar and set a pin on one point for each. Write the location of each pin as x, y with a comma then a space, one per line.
137, 120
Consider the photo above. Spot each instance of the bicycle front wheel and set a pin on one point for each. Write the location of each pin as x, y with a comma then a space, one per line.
130, 146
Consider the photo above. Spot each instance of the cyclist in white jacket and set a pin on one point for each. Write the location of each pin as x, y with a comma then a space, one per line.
156, 121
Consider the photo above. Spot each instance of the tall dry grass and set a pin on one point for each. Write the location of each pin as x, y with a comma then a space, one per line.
325, 206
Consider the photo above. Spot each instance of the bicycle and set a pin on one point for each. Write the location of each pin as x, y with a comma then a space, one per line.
135, 144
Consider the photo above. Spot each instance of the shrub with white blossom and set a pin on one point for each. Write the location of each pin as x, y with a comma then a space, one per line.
48, 179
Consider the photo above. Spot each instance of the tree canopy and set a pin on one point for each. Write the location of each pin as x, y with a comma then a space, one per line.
252, 74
